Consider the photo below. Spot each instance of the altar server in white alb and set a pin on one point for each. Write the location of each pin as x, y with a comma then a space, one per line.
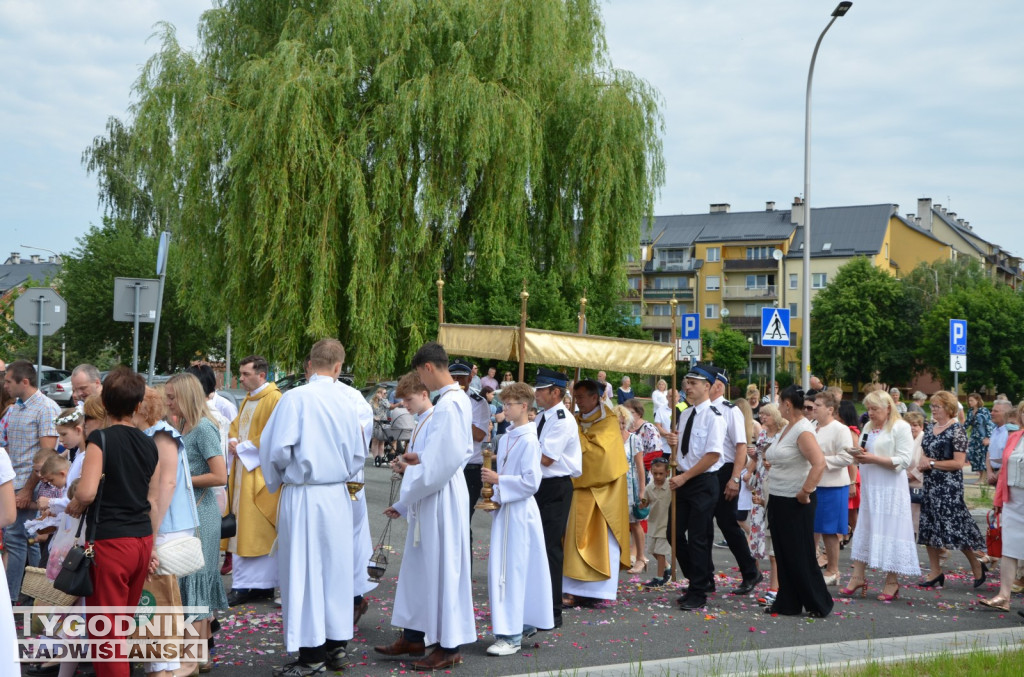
312, 445
434, 597
518, 580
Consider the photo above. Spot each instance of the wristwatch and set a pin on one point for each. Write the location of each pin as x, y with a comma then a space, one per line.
736, 480
931, 464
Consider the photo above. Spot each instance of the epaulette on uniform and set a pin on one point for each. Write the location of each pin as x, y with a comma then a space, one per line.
728, 403
713, 409
561, 413
476, 396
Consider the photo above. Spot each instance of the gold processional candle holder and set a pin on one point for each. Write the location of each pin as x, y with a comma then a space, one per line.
353, 489
487, 493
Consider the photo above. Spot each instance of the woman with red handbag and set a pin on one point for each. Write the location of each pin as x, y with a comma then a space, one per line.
1008, 504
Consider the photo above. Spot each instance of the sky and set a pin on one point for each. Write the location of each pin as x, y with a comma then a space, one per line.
910, 100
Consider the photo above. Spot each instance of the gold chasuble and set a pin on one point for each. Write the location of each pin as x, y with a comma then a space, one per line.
598, 501
257, 507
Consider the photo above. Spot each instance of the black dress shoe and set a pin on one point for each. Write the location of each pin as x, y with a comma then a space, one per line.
558, 621
246, 595
748, 586
692, 603
37, 670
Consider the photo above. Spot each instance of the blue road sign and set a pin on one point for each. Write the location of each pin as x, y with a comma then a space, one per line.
775, 327
958, 337
690, 323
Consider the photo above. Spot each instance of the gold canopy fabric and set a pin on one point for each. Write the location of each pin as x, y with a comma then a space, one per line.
558, 348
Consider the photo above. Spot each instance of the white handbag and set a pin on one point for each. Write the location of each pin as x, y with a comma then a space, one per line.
182, 556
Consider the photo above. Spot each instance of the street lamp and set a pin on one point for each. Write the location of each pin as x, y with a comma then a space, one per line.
839, 11
43, 249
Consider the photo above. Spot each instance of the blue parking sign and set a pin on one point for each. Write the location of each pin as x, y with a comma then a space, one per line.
690, 326
958, 337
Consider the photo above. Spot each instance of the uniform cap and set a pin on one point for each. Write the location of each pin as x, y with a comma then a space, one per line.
548, 377
459, 368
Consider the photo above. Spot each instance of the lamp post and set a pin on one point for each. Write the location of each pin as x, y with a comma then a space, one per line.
841, 9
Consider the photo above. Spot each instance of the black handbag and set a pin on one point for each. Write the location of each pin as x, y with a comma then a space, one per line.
75, 573
228, 526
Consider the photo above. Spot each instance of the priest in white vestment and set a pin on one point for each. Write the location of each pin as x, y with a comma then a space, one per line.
311, 446
518, 578
434, 597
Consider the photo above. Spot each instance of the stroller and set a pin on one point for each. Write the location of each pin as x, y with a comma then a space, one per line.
396, 435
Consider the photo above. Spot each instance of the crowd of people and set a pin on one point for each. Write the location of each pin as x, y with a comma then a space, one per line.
582, 487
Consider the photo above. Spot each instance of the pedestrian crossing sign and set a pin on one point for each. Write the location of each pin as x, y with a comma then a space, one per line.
775, 327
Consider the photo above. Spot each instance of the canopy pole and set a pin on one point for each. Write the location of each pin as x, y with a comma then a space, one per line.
440, 299
524, 296
582, 317
673, 565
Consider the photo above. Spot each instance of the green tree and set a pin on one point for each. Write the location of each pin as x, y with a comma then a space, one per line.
859, 326
995, 337
87, 284
727, 348
320, 163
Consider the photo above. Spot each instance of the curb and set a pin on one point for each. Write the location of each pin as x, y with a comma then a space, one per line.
815, 657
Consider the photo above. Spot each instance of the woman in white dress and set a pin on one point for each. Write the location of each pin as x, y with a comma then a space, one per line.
884, 538
8, 512
1009, 503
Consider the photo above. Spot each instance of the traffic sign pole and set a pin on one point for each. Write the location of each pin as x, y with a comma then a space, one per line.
161, 270
135, 328
39, 353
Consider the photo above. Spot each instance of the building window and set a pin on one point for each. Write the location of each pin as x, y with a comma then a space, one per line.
753, 309
634, 283
711, 310
757, 281
671, 283
661, 309
886, 251
661, 336
827, 247
758, 253
630, 257
714, 254
761, 367
712, 283
818, 280
794, 280
634, 309
792, 310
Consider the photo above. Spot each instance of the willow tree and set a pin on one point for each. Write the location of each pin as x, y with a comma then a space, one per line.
323, 161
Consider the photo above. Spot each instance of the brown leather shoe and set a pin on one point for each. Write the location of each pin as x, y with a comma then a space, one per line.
359, 610
438, 660
401, 647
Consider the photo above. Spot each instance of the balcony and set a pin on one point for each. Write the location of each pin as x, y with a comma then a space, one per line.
687, 267
683, 294
739, 291
658, 321
741, 322
734, 265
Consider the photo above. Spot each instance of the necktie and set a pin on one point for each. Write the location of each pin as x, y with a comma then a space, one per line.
686, 433
540, 426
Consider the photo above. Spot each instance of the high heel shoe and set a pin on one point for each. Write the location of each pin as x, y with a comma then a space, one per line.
978, 582
936, 582
832, 580
639, 567
997, 602
849, 592
886, 597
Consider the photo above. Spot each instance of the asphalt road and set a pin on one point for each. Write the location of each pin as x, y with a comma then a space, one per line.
640, 625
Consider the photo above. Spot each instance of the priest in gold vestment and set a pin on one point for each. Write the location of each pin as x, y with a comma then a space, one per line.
254, 574
597, 534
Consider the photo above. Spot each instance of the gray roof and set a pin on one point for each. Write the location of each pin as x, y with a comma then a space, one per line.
16, 274
851, 231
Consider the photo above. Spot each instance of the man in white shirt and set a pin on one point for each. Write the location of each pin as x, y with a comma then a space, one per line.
561, 460
698, 458
735, 447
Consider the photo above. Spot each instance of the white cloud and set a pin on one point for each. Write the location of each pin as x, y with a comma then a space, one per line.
910, 100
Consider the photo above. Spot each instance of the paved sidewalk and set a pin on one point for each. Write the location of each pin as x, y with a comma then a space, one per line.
797, 659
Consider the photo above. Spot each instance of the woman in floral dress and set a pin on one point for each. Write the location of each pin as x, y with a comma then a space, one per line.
771, 424
979, 422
